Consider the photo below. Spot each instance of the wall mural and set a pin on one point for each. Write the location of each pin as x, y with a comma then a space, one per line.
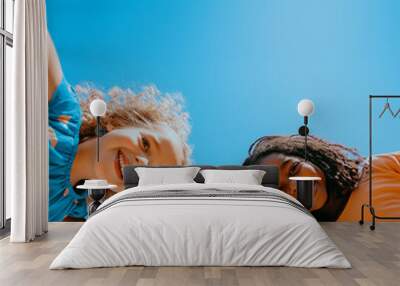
198, 83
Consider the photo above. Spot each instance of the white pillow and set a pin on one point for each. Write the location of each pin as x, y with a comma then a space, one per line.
165, 176
248, 177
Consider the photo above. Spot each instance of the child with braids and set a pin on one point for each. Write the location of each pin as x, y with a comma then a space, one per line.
344, 185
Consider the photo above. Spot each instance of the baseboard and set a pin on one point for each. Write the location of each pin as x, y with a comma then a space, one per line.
5, 231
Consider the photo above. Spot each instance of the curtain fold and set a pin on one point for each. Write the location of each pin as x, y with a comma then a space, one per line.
27, 124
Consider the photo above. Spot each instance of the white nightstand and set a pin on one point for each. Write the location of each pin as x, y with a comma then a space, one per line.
305, 187
96, 190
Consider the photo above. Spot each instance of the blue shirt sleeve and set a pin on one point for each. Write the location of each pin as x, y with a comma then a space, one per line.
64, 125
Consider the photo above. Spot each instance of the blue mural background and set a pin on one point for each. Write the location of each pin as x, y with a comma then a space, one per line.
242, 66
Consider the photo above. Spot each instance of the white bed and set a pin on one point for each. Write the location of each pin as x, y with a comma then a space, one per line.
202, 231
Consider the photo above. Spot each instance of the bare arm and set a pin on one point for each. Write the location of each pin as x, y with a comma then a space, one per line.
54, 70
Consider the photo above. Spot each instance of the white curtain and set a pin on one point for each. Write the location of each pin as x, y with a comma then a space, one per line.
26, 124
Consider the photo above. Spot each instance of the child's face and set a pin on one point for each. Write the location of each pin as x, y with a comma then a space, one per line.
159, 145
292, 166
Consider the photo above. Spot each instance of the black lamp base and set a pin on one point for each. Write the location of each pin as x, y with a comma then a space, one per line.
303, 130
305, 190
96, 195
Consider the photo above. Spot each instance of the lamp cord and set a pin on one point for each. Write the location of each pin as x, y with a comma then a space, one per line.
305, 147
98, 138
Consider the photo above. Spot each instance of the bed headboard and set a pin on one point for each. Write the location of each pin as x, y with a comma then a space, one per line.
271, 177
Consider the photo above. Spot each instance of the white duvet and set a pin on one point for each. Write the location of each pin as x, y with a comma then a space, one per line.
200, 231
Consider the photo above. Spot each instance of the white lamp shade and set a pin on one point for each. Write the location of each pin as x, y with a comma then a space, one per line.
98, 107
305, 107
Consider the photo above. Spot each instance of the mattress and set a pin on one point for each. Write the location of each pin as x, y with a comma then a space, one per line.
201, 225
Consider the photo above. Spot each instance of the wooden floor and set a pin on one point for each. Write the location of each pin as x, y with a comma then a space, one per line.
375, 257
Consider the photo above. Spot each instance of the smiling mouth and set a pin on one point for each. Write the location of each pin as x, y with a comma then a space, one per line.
119, 163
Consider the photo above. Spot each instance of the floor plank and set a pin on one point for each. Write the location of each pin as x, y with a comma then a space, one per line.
375, 257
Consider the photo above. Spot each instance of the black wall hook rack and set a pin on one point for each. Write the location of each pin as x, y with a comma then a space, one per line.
370, 203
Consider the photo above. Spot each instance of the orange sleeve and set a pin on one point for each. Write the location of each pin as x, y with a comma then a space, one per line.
385, 190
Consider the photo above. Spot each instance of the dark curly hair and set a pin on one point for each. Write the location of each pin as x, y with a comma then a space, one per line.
343, 167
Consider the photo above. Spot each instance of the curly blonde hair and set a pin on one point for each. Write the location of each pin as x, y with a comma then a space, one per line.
125, 108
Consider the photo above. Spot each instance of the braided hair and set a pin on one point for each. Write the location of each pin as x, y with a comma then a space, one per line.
343, 166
